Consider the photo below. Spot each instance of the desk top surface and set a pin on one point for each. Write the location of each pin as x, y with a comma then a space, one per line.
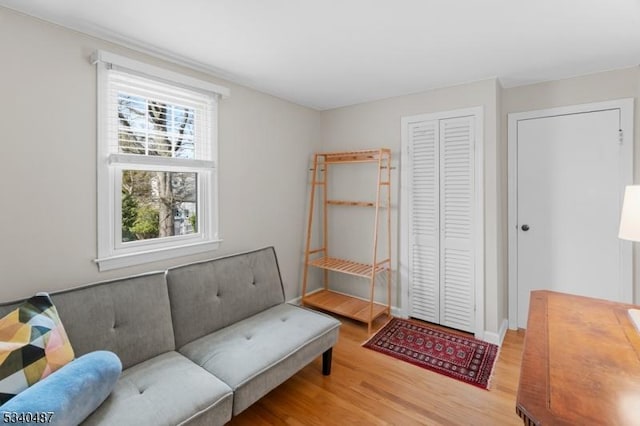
580, 362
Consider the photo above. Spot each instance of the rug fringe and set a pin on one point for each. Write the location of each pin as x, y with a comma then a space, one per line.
493, 368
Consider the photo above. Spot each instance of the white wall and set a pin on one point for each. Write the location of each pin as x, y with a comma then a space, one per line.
377, 124
48, 183
616, 84
48, 172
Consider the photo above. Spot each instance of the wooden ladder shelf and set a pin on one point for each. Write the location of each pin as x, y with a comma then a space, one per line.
360, 309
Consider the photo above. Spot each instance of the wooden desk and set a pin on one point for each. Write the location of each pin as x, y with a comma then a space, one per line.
580, 363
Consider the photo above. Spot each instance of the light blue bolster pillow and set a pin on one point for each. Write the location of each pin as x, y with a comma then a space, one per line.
70, 393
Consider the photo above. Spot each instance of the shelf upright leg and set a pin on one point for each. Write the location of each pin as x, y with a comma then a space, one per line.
389, 234
375, 240
305, 275
325, 233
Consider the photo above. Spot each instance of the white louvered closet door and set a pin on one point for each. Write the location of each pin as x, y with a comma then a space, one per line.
424, 219
456, 223
441, 204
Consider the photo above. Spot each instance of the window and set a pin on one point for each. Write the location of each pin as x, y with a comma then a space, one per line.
157, 170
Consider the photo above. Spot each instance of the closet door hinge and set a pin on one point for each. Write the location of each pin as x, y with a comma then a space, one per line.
620, 136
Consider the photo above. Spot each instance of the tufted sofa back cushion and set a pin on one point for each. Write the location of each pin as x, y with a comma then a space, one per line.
210, 295
130, 317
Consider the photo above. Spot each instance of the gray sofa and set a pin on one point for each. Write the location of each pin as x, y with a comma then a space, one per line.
198, 343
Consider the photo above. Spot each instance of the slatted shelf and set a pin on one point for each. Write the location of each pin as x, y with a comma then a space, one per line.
347, 306
347, 266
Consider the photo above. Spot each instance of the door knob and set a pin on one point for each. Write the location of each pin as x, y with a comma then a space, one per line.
525, 227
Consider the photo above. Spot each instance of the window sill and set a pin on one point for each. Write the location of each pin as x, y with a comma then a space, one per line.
146, 256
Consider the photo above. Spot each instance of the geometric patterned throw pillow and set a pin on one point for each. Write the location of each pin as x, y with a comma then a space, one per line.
33, 344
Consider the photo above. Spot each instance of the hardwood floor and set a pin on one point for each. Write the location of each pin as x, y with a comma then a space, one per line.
369, 388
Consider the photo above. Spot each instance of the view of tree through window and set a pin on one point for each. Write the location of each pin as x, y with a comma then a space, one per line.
156, 204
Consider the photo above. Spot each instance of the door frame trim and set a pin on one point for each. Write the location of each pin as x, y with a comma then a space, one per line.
626, 107
479, 238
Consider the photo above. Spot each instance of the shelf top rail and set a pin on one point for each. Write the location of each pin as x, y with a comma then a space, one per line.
351, 203
364, 156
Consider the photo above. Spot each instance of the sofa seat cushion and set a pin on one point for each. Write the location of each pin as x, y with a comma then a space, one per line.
255, 355
165, 390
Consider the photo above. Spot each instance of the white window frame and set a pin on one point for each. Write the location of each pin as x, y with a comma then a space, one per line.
112, 253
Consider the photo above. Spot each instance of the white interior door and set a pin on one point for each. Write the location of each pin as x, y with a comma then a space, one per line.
571, 172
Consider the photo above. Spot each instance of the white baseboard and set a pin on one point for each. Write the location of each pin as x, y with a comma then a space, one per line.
489, 336
399, 312
298, 300
497, 338
295, 301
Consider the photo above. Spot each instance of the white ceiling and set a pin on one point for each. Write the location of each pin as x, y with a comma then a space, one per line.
330, 53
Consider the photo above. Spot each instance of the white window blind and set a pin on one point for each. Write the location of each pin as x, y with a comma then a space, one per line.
182, 117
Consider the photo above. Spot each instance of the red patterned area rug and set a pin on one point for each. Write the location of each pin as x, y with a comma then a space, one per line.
464, 358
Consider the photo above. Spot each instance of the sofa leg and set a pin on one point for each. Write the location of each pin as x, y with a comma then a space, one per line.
326, 361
